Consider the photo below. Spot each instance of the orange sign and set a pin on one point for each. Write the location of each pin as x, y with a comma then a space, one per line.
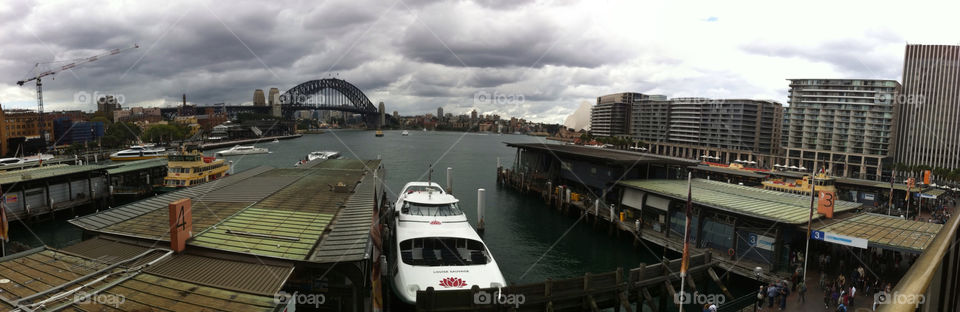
825, 203
926, 177
181, 224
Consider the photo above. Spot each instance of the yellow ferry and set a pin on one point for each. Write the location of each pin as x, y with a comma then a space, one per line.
801, 186
192, 168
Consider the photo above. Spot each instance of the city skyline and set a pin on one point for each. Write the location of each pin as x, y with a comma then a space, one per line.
416, 59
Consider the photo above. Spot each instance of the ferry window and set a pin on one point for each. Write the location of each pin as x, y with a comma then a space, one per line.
439, 210
443, 251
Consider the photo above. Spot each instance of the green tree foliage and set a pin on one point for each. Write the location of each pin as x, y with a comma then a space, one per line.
165, 133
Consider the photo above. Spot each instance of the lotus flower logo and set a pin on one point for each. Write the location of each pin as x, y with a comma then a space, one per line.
452, 282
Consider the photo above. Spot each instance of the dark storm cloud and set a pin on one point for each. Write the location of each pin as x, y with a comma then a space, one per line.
443, 35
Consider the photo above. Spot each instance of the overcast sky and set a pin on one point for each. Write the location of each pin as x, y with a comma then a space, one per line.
543, 57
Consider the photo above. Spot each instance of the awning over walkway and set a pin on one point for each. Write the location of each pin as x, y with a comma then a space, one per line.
738, 199
886, 232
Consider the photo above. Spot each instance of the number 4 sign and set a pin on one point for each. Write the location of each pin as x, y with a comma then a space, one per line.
181, 224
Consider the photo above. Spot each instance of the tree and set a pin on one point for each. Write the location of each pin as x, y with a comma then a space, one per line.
164, 133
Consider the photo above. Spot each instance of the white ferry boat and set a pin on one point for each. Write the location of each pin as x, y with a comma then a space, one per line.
318, 155
139, 152
243, 150
436, 245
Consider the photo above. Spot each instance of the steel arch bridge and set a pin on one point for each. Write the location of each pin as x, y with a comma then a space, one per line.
328, 94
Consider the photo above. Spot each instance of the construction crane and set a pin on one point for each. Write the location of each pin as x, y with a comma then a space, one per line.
52, 72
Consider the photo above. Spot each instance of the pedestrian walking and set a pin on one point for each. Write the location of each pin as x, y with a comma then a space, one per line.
802, 292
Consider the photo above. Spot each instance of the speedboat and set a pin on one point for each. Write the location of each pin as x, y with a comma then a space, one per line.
436, 245
243, 150
323, 155
275, 141
318, 155
405, 133
139, 152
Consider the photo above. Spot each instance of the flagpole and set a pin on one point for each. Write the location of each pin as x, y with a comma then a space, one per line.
813, 196
686, 241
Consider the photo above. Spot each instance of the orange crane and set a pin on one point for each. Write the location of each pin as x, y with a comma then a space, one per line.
51, 72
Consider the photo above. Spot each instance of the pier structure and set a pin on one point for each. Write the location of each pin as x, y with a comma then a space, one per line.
744, 227
264, 232
34, 193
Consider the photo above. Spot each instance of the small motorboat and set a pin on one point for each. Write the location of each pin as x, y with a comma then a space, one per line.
405, 133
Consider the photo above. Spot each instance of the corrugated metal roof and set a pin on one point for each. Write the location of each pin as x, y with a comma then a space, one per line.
743, 200
934, 192
256, 278
37, 173
279, 213
887, 231
264, 232
138, 165
612, 155
102, 219
154, 225
349, 239
42, 269
874, 184
744, 173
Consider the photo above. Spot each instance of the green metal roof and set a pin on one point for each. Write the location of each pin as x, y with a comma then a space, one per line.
138, 165
886, 231
743, 200
44, 172
934, 192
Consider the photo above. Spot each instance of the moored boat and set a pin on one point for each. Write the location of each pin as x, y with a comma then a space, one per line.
139, 152
242, 150
188, 169
436, 246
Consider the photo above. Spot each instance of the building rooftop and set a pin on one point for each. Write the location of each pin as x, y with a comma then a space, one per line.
743, 200
291, 214
137, 165
610, 155
743, 173
886, 232
38, 173
53, 279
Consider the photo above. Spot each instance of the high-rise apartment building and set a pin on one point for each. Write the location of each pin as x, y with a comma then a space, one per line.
930, 107
845, 126
725, 130
611, 116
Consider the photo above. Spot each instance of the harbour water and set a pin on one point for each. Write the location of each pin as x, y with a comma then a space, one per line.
530, 241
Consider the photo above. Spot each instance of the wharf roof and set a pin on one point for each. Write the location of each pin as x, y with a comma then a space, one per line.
265, 212
44, 274
874, 184
604, 154
264, 278
742, 200
137, 165
886, 232
38, 173
743, 173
